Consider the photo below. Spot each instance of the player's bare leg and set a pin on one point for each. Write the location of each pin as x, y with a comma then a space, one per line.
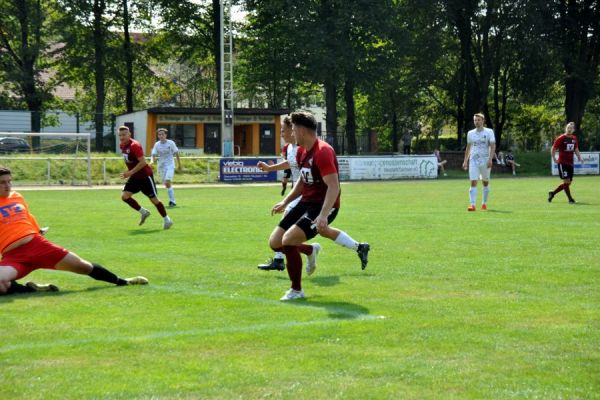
73, 263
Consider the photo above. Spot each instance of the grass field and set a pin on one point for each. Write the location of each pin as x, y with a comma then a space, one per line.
503, 304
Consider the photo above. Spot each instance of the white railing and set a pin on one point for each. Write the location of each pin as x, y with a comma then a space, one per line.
210, 169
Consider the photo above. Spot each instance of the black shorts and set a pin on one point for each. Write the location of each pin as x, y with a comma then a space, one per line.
565, 171
302, 215
287, 173
145, 185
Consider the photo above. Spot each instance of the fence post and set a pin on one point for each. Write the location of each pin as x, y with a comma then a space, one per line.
48, 172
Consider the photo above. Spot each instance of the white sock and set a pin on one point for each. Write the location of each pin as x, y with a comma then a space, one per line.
166, 218
473, 195
486, 192
171, 194
279, 255
346, 241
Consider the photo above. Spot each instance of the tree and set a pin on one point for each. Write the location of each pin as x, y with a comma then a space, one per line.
25, 34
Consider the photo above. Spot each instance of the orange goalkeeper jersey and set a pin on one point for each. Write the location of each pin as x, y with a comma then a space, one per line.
15, 220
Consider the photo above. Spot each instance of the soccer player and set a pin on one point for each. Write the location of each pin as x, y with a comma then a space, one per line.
24, 249
319, 187
290, 163
139, 178
165, 149
481, 149
566, 144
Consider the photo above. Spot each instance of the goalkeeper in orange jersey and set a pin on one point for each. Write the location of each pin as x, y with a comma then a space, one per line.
24, 249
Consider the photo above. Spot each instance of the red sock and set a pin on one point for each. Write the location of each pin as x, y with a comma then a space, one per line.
568, 190
559, 188
294, 266
305, 249
133, 204
161, 209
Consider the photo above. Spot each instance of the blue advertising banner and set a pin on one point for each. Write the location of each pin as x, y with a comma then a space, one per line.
245, 170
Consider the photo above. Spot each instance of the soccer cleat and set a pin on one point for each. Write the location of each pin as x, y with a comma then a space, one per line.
136, 280
172, 204
311, 259
572, 201
363, 254
471, 208
144, 217
42, 287
167, 224
550, 196
274, 264
292, 294
44, 230
484, 207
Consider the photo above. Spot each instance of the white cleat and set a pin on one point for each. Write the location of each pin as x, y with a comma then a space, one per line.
292, 294
311, 259
168, 223
145, 214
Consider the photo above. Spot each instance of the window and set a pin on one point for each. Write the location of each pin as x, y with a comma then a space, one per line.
184, 136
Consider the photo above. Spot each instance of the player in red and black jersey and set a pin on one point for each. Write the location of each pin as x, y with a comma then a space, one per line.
566, 144
139, 178
319, 187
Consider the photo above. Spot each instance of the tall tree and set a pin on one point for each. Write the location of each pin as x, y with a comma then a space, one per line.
577, 35
25, 35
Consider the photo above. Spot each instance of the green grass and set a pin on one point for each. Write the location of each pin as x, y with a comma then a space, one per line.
502, 304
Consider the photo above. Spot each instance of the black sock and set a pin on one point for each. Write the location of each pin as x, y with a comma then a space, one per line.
100, 273
16, 287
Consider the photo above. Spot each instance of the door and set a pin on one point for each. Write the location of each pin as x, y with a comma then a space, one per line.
212, 139
267, 139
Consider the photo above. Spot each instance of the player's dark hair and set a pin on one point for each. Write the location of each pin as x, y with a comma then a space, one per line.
4, 170
305, 119
287, 120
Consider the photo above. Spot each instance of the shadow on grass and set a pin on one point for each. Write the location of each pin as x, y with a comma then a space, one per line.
325, 281
336, 309
10, 297
144, 231
499, 211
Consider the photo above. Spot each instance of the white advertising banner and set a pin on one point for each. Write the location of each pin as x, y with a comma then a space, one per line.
390, 167
590, 165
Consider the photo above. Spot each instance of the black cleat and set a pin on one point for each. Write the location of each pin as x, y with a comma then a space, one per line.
275, 264
550, 196
572, 201
363, 254
172, 204
41, 287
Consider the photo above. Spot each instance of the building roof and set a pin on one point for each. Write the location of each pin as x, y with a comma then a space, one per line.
217, 111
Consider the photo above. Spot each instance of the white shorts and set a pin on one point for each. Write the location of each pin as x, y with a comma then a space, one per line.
166, 172
292, 204
479, 171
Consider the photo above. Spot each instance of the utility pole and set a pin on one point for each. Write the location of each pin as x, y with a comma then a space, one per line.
227, 94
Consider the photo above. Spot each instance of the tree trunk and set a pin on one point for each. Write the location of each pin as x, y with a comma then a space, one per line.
331, 116
350, 117
99, 73
128, 60
216, 10
576, 97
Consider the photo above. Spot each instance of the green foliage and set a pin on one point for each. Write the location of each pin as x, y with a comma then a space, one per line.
456, 305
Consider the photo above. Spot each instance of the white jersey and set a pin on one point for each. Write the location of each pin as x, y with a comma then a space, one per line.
165, 152
480, 142
292, 151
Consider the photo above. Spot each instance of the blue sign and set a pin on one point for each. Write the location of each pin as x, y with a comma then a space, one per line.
245, 170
